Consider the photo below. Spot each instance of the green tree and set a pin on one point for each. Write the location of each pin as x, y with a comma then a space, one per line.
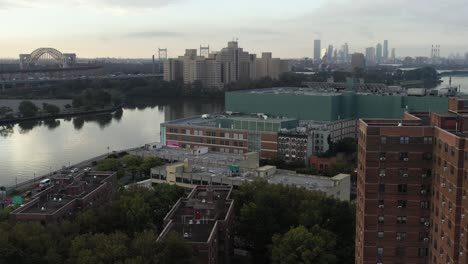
300, 246
173, 250
5, 110
50, 109
149, 163
28, 109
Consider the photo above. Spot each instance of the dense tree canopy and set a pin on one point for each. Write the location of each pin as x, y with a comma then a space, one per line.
124, 232
264, 210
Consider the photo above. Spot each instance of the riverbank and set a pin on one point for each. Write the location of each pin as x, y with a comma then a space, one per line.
61, 115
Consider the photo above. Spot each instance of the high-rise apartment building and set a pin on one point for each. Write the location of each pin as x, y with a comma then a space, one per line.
412, 188
267, 66
330, 52
385, 50
378, 53
345, 53
358, 61
370, 55
236, 63
317, 51
393, 57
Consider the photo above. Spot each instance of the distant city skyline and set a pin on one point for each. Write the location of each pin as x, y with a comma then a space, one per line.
135, 29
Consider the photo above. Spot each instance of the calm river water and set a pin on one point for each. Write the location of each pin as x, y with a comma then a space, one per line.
38, 147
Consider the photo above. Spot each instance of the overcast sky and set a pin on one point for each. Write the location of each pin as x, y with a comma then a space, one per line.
136, 28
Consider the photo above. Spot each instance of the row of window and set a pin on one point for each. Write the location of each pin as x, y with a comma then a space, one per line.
208, 141
400, 236
400, 251
208, 133
404, 140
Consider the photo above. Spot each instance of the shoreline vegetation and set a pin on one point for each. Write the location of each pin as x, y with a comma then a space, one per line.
91, 92
109, 109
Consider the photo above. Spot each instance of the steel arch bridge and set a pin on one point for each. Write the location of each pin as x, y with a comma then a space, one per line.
64, 60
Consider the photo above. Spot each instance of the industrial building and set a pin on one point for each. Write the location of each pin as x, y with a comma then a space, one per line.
205, 219
66, 196
227, 133
412, 185
330, 104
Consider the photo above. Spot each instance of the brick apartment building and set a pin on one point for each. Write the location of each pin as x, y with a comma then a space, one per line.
205, 220
411, 191
66, 197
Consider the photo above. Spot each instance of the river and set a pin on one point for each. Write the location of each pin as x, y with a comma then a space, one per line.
36, 148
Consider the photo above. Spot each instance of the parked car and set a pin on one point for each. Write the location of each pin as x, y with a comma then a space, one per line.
74, 170
88, 169
44, 184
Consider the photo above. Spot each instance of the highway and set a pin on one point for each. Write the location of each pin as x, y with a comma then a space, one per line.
105, 77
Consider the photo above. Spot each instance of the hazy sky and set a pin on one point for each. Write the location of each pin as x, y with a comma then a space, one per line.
136, 28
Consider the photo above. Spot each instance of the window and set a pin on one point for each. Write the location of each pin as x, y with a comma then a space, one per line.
211, 133
452, 151
400, 236
404, 140
221, 134
401, 220
381, 187
446, 147
400, 251
402, 188
380, 252
404, 156
380, 234
423, 236
401, 203
428, 140
383, 140
424, 204
423, 252
381, 219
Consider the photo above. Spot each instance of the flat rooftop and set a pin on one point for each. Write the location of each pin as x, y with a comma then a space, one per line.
292, 91
58, 196
180, 154
216, 120
313, 183
195, 217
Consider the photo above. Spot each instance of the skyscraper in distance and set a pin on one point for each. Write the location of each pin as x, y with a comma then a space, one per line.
385, 50
317, 51
330, 52
378, 53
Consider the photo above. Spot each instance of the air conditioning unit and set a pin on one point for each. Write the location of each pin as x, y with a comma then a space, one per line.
445, 168
399, 207
423, 191
462, 234
450, 210
442, 185
405, 175
464, 197
381, 206
450, 189
405, 159
382, 159
382, 174
424, 176
442, 238
462, 216
427, 223
443, 204
426, 239
443, 222
398, 238
461, 253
